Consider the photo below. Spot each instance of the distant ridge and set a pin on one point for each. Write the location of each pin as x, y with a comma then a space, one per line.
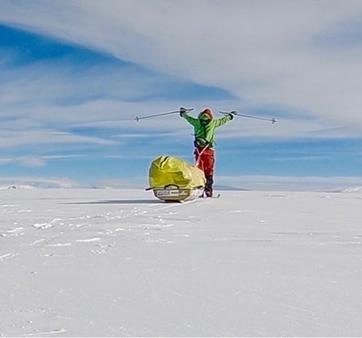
353, 189
17, 187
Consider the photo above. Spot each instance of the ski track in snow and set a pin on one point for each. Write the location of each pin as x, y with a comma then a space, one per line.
44, 333
8, 256
214, 258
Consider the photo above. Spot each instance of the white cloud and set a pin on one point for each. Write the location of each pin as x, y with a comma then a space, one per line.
27, 161
39, 182
14, 138
264, 52
32, 161
37, 160
63, 157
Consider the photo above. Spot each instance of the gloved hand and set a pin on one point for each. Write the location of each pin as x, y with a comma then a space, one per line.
182, 111
232, 114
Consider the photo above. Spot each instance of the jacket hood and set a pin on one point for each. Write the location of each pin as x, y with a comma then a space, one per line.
207, 112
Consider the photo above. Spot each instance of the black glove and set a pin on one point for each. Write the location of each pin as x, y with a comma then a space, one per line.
182, 111
232, 114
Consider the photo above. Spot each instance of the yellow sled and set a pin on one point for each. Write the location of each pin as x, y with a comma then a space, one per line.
173, 179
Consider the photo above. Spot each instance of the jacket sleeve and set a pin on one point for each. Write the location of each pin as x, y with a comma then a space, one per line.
223, 120
193, 121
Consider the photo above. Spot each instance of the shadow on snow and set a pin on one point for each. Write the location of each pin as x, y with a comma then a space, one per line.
135, 201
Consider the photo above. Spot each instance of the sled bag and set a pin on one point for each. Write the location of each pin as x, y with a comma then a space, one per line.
173, 172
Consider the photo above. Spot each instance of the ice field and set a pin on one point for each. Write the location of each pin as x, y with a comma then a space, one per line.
121, 263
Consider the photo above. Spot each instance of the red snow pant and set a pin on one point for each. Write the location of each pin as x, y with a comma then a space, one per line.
206, 162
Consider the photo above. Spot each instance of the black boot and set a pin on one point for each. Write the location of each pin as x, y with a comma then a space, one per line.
208, 186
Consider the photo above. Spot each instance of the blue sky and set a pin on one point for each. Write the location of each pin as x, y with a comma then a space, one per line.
70, 95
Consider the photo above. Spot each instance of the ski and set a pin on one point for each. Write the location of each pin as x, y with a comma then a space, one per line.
212, 197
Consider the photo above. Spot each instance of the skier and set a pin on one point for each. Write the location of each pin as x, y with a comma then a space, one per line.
204, 127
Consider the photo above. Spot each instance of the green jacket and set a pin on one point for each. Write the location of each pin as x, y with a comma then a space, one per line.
206, 132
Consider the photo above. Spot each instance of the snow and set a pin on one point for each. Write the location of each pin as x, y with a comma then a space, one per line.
353, 189
97, 262
16, 186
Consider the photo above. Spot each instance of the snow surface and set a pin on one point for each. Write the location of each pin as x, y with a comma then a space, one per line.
353, 189
121, 263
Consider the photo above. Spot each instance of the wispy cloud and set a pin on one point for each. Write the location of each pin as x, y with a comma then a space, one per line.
32, 161
266, 52
37, 161
39, 182
41, 136
302, 158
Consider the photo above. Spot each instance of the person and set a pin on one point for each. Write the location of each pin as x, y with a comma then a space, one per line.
204, 127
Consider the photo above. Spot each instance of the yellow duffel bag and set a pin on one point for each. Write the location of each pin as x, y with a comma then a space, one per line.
168, 171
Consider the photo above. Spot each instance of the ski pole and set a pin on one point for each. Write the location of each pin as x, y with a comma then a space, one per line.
161, 114
272, 120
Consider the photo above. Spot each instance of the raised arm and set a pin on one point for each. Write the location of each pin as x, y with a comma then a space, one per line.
223, 120
183, 113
